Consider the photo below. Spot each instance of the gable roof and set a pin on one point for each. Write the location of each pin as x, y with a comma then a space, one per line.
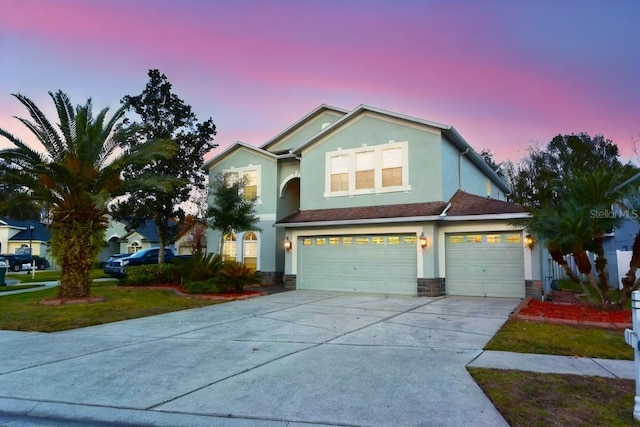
41, 232
462, 206
231, 149
301, 122
147, 230
448, 131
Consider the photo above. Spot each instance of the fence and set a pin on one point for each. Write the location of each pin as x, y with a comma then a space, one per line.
616, 272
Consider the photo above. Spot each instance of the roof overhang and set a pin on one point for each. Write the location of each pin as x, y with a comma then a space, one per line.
397, 220
367, 221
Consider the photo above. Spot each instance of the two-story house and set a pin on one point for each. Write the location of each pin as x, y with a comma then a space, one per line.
374, 201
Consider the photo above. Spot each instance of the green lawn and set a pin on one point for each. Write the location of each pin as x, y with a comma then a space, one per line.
529, 399
523, 336
24, 312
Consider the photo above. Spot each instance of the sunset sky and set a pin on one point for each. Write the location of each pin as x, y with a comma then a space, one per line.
506, 74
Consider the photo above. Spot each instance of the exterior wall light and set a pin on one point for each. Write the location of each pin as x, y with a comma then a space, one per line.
288, 244
423, 240
528, 239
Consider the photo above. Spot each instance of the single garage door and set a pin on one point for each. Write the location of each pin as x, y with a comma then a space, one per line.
362, 263
485, 264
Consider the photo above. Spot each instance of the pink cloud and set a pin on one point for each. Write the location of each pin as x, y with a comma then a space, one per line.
257, 66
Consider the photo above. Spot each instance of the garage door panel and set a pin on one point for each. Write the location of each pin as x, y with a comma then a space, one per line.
514, 256
493, 255
377, 263
489, 264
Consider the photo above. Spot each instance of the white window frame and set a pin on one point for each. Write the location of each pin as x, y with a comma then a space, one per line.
242, 171
378, 188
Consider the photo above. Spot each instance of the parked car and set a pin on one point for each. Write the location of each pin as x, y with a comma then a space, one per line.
118, 267
115, 257
18, 262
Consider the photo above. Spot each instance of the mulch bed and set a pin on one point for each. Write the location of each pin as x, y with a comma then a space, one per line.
567, 309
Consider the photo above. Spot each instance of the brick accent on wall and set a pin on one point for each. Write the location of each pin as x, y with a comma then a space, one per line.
289, 282
533, 288
433, 287
271, 277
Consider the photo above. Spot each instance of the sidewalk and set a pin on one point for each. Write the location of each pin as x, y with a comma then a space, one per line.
550, 364
45, 285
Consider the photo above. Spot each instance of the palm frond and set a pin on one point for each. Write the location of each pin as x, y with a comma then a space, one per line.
41, 127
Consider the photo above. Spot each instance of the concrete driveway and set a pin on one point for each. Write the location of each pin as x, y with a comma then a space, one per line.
289, 359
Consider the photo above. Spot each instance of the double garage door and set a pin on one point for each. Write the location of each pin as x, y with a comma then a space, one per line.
358, 263
485, 264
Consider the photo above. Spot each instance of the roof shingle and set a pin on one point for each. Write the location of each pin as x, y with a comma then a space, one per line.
462, 204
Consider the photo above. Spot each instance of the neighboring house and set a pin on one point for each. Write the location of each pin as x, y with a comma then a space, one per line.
121, 241
620, 240
20, 236
374, 201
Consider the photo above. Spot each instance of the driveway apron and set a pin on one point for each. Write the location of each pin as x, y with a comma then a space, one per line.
287, 359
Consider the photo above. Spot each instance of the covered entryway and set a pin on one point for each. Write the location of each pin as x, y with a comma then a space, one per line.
358, 263
485, 264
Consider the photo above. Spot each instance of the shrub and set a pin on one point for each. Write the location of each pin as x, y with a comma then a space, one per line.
201, 267
152, 274
236, 275
210, 286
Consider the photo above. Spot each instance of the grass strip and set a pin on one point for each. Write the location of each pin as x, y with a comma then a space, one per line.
523, 336
528, 399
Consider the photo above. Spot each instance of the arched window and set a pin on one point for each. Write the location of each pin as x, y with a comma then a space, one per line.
250, 250
133, 247
230, 249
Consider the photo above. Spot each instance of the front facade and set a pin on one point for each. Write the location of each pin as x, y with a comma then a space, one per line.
18, 236
373, 201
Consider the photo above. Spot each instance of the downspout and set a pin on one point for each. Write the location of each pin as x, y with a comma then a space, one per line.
444, 212
460, 167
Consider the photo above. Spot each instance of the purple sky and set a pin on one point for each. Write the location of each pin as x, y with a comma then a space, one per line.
506, 74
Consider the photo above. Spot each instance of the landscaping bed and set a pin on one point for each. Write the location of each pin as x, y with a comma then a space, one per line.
577, 313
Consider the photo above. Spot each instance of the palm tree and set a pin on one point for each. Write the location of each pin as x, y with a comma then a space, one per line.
574, 232
564, 229
77, 176
597, 191
629, 282
539, 224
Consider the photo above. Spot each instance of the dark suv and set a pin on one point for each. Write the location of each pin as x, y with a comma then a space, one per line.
118, 267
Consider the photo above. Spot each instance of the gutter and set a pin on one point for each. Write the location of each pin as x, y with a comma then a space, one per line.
486, 217
357, 221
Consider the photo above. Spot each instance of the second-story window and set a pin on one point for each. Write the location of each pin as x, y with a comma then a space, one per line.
339, 171
251, 176
250, 185
392, 167
365, 170
371, 169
